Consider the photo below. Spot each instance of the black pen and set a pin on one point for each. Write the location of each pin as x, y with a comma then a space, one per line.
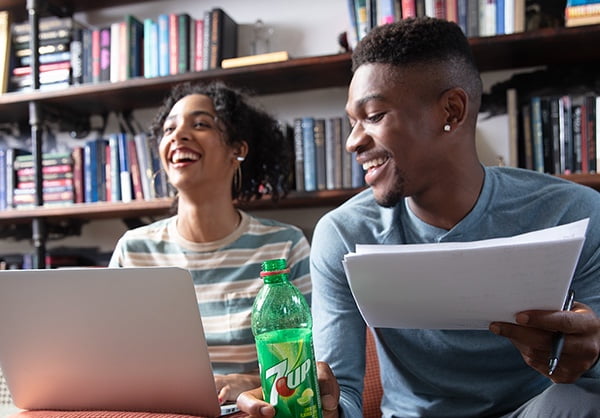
559, 338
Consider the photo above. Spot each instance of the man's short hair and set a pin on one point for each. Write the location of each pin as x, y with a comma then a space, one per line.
422, 41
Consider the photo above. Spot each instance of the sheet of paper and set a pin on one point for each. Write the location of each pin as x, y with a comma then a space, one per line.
464, 285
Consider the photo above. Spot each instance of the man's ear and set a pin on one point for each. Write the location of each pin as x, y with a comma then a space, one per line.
456, 103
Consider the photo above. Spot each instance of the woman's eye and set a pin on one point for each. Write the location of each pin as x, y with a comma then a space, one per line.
167, 129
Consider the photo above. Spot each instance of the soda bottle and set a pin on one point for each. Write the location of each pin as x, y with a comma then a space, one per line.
282, 328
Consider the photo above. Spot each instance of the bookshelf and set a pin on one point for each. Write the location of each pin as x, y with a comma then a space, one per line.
553, 46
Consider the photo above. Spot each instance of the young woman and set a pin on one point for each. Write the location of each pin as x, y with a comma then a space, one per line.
217, 148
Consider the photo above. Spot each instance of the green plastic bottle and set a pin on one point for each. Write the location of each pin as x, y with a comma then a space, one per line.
282, 327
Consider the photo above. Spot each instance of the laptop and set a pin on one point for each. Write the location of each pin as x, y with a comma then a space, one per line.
121, 339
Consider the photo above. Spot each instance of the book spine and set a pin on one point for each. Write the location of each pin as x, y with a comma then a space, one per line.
75, 56
163, 45
95, 55
78, 174
346, 157
125, 173
134, 168
206, 40
183, 53
145, 163
115, 55
199, 45
299, 155
320, 158
114, 163
409, 9
3, 171
310, 157
173, 44
90, 172
105, 54
536, 134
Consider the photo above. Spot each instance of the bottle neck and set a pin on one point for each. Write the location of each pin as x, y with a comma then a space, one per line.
276, 276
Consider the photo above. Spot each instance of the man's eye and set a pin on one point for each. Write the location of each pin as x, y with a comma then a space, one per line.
375, 118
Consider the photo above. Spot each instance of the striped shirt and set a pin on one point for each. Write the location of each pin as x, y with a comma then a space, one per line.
226, 276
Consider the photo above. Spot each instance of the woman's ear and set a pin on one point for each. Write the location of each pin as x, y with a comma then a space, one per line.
241, 150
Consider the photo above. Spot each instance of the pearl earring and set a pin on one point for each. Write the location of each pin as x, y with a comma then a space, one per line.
240, 159
447, 127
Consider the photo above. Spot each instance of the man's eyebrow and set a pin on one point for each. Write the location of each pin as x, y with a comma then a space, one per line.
363, 100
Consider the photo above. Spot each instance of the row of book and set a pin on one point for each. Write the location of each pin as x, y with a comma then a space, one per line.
560, 134
475, 17
58, 257
72, 53
321, 159
582, 12
121, 167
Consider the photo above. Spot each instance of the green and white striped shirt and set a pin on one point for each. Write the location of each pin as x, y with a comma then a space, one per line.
226, 275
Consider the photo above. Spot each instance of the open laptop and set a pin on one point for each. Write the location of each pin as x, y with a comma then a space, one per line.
122, 339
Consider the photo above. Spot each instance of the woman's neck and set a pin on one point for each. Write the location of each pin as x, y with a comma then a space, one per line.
206, 222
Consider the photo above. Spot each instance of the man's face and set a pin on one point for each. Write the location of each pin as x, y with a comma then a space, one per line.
395, 129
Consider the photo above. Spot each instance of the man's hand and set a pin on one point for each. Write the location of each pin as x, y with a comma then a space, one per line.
252, 403
535, 331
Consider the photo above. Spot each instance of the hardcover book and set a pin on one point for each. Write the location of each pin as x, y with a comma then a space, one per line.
223, 37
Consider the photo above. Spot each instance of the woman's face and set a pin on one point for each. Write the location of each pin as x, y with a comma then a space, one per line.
193, 151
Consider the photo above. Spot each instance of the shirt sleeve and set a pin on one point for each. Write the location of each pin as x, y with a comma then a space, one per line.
338, 327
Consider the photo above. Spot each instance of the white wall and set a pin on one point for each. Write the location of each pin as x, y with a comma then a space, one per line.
303, 28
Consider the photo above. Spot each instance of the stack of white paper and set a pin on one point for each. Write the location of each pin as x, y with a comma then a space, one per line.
464, 285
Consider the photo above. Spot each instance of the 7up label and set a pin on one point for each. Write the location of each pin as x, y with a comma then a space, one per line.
288, 372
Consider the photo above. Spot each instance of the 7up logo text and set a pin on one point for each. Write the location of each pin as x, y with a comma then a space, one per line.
285, 382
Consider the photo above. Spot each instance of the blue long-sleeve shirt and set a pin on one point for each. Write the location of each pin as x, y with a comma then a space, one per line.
439, 372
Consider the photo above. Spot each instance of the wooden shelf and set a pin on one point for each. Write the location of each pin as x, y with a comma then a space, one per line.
18, 8
161, 207
283, 77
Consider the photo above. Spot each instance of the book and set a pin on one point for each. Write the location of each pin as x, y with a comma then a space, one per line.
299, 155
183, 55
347, 157
163, 45
320, 157
223, 37
333, 152
115, 54
113, 162
105, 54
77, 178
199, 45
150, 48
246, 60
134, 169
592, 137
206, 18
310, 156
124, 167
536, 134
133, 46
173, 44
5, 23
54, 158
145, 164
3, 169
409, 9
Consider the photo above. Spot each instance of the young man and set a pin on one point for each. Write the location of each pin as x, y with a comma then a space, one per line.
413, 104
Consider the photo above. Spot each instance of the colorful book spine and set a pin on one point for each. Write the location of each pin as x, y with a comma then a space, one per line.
163, 45
299, 155
310, 157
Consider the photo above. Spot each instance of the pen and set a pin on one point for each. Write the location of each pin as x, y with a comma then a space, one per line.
559, 338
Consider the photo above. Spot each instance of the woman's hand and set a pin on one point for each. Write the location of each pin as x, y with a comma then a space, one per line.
230, 386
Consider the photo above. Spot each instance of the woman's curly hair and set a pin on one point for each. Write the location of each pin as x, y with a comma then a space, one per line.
266, 168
